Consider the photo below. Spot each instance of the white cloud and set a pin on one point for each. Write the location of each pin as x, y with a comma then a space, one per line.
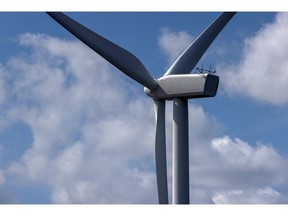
254, 196
262, 71
173, 43
240, 153
93, 137
225, 170
233, 171
238, 156
86, 125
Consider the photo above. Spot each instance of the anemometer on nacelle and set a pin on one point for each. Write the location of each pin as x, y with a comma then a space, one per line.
185, 86
204, 70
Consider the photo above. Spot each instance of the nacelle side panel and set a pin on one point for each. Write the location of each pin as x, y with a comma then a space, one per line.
187, 86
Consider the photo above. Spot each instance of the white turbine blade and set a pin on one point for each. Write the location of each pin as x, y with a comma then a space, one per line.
119, 57
190, 57
160, 152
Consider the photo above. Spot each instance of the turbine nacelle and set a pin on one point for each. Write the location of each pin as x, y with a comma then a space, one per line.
185, 86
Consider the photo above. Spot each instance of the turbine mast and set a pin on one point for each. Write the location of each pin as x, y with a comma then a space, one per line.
183, 65
180, 151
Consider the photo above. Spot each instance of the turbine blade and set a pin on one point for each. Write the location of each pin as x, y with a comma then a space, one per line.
190, 57
160, 152
119, 57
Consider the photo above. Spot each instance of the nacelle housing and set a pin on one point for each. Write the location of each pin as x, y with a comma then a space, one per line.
185, 86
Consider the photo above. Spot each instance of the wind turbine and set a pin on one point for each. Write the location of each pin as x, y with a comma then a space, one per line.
176, 84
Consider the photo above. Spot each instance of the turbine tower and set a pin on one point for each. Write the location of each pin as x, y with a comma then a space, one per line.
176, 84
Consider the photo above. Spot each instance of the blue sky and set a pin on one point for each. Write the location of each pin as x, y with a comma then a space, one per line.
73, 129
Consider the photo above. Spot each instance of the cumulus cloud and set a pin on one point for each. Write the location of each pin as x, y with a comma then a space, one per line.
254, 196
173, 43
86, 125
93, 140
234, 171
226, 170
262, 72
239, 155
